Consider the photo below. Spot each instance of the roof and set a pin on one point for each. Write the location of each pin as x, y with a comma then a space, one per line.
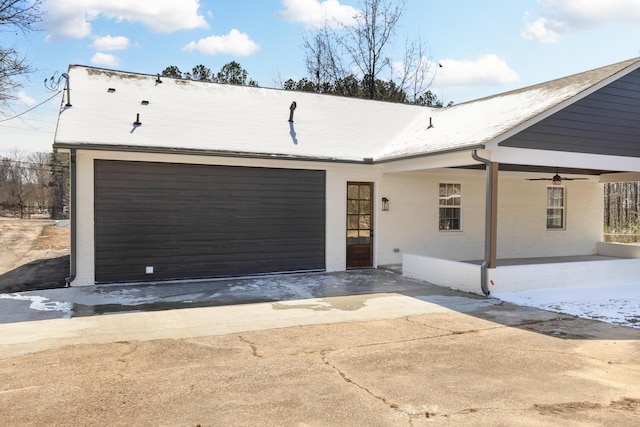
220, 118
192, 115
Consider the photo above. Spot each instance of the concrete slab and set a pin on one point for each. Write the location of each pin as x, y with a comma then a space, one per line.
411, 358
39, 320
109, 299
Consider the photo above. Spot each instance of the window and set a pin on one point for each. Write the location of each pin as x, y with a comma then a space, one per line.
450, 207
555, 208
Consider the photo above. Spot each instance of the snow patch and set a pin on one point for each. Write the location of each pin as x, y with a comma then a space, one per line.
618, 304
39, 303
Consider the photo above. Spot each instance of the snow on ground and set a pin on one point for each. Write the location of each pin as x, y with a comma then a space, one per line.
617, 304
39, 303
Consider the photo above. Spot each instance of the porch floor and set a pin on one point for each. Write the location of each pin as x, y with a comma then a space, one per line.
546, 260
397, 268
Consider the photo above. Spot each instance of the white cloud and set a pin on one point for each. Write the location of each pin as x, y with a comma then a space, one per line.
314, 13
556, 18
111, 43
26, 99
72, 18
105, 59
485, 70
234, 43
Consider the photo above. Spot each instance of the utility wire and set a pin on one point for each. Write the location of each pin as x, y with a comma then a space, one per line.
32, 108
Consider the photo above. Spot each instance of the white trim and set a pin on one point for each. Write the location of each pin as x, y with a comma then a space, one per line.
526, 156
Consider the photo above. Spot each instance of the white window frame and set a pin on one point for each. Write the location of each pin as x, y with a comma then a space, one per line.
562, 208
448, 198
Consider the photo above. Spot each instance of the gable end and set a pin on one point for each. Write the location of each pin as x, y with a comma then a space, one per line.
605, 122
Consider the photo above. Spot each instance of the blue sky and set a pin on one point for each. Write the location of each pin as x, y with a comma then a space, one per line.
484, 46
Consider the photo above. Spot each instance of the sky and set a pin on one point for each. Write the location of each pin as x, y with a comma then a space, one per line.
485, 47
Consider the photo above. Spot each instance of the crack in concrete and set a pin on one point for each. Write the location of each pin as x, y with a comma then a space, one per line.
254, 348
348, 380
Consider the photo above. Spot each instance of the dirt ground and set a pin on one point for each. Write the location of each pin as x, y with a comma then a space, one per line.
34, 254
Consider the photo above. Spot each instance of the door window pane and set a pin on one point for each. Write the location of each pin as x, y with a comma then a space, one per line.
352, 222
353, 207
352, 192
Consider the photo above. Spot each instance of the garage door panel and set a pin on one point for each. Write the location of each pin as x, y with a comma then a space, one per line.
191, 221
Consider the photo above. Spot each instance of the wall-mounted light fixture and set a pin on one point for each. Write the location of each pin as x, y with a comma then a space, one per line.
385, 204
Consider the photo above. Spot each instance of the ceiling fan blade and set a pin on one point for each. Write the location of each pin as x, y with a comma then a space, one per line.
573, 179
538, 179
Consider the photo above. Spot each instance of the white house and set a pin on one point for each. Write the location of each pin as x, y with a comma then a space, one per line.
176, 179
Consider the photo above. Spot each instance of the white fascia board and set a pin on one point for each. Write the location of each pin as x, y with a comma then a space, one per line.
523, 156
445, 160
620, 177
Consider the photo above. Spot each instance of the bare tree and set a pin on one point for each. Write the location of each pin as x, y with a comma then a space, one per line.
39, 176
350, 60
333, 54
59, 184
416, 74
323, 59
34, 183
15, 16
365, 43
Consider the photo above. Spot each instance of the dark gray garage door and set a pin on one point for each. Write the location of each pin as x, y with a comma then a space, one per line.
195, 221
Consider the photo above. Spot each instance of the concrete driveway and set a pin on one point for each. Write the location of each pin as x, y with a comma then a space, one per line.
397, 353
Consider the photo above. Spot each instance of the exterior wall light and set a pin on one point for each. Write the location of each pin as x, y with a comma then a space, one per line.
385, 204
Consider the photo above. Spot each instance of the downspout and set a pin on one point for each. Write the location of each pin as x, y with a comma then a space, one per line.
490, 221
72, 179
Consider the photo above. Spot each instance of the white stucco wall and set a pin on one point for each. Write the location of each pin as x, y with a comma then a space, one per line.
411, 224
522, 227
337, 176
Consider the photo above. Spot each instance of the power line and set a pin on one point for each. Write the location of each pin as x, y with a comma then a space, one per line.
32, 108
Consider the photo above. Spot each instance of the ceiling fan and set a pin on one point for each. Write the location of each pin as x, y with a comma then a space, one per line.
555, 179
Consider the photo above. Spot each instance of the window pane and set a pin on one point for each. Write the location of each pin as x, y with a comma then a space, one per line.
450, 201
555, 218
555, 197
365, 207
449, 218
450, 194
352, 237
555, 208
